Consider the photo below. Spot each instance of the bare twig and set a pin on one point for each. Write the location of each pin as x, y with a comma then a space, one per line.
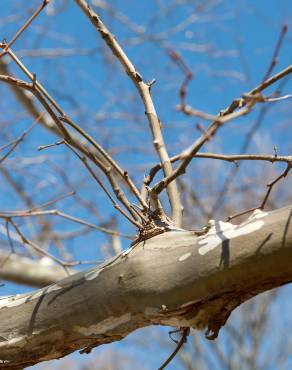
223, 157
244, 104
19, 139
34, 88
108, 158
264, 201
56, 212
144, 91
257, 122
30, 243
120, 195
26, 24
274, 60
184, 334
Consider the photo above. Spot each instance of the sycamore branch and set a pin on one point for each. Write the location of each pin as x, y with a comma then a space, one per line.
237, 108
202, 279
107, 168
144, 91
233, 158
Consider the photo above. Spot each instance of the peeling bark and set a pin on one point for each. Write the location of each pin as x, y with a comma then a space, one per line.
177, 278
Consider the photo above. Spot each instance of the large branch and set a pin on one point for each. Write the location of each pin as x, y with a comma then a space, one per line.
177, 278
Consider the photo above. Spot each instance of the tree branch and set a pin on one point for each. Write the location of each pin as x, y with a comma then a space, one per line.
144, 91
223, 157
202, 279
236, 109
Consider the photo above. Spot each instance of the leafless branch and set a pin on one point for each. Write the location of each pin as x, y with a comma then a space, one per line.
55, 212
144, 91
264, 201
120, 195
26, 24
37, 89
244, 104
224, 157
184, 334
15, 143
274, 60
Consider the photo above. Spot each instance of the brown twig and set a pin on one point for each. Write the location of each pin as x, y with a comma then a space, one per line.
37, 89
108, 158
244, 104
186, 71
184, 334
274, 60
264, 201
119, 194
18, 140
257, 122
223, 157
33, 245
26, 24
55, 212
144, 91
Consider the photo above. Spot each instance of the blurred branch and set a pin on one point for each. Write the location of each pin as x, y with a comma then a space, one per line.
54, 212
184, 334
24, 270
37, 89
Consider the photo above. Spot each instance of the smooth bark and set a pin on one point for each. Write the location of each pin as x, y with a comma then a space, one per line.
177, 278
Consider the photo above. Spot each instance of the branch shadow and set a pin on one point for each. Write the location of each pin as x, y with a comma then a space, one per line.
286, 229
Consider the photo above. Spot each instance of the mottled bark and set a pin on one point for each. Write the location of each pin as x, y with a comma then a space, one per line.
177, 278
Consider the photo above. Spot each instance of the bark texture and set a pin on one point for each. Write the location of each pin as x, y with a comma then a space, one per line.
177, 278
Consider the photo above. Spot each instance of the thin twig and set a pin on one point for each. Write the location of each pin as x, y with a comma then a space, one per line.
184, 334
144, 91
19, 140
230, 177
265, 199
30, 243
112, 162
56, 212
274, 60
26, 24
244, 105
120, 195
70, 141
223, 157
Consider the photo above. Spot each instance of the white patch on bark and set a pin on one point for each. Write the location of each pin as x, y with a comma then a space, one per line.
188, 303
184, 256
221, 231
18, 299
12, 301
92, 275
13, 342
127, 251
104, 326
52, 288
